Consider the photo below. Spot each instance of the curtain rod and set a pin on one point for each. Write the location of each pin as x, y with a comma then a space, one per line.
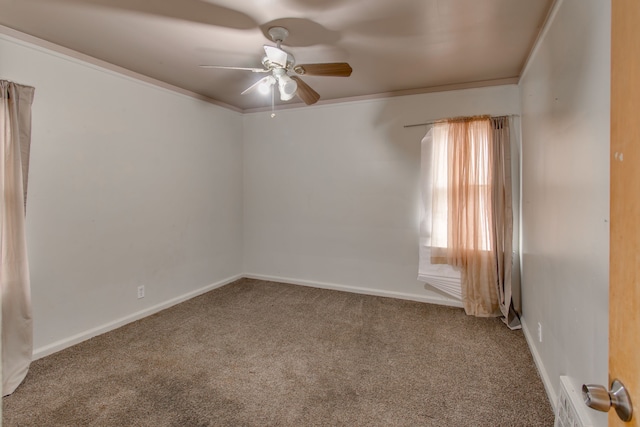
441, 120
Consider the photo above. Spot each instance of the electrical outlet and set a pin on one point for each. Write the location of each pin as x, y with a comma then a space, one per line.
539, 331
141, 292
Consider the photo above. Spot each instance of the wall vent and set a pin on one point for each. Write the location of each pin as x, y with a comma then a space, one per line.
571, 410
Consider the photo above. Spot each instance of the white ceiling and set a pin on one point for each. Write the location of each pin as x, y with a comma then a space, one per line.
399, 46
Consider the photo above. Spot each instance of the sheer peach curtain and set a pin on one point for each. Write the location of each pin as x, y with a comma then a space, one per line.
15, 138
472, 213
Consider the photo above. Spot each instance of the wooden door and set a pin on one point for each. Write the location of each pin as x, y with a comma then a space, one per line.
624, 274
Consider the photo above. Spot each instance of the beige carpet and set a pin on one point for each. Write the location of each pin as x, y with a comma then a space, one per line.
257, 353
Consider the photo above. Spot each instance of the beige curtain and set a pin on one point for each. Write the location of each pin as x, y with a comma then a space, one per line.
503, 218
15, 138
472, 210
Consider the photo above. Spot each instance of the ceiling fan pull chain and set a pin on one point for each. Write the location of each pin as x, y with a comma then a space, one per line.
273, 101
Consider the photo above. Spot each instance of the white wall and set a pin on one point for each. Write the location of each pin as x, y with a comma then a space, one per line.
132, 184
129, 185
565, 194
331, 192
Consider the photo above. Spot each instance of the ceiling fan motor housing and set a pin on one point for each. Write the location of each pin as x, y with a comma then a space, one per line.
291, 61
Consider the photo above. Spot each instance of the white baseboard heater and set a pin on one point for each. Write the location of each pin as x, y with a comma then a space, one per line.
571, 411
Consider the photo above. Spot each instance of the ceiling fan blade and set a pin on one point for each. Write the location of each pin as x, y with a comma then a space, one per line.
276, 56
336, 69
222, 67
255, 85
304, 92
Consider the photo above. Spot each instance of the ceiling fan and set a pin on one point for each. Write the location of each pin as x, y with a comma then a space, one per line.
278, 63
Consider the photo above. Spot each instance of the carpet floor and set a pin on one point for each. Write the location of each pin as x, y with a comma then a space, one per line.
257, 353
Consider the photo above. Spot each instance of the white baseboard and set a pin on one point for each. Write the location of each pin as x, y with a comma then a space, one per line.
88, 334
358, 290
548, 385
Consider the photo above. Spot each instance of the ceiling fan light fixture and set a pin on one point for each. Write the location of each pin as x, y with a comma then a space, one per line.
287, 88
286, 85
266, 84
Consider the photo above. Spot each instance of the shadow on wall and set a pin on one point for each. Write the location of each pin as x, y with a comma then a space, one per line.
186, 10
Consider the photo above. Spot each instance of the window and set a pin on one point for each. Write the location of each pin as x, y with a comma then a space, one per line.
461, 169
467, 190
